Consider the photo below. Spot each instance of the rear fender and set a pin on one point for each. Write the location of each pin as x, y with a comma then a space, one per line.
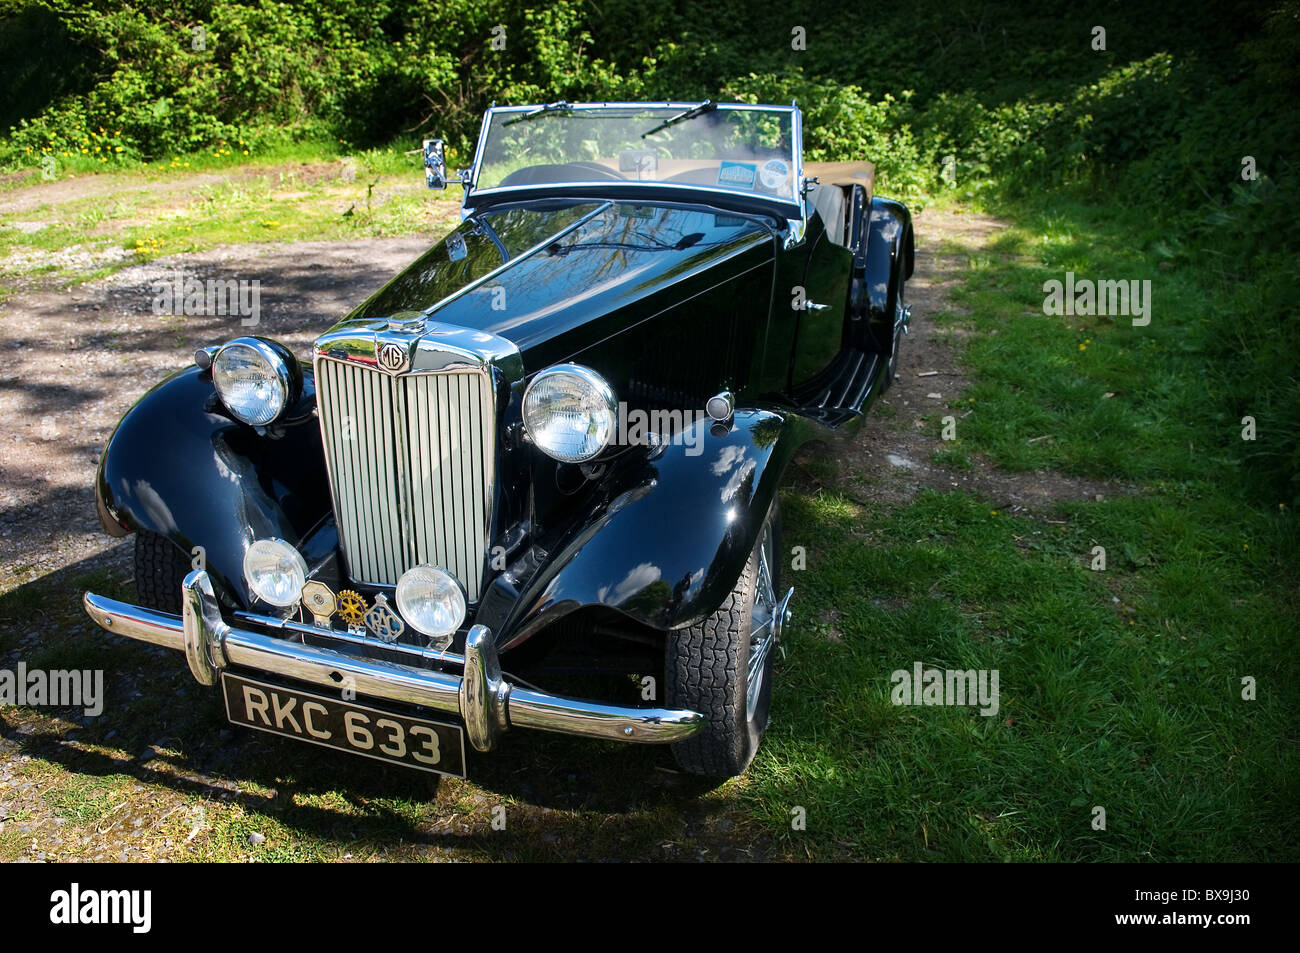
890, 258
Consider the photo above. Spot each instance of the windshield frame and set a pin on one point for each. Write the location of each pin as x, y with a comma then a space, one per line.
792, 208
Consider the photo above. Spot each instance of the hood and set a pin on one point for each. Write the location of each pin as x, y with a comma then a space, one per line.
553, 278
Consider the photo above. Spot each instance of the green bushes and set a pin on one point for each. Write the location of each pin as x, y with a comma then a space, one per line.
842, 122
1014, 98
185, 75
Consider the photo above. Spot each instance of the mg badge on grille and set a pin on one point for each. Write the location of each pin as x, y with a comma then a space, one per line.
391, 357
383, 621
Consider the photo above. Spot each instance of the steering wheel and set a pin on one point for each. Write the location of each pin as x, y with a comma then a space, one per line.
562, 172
602, 172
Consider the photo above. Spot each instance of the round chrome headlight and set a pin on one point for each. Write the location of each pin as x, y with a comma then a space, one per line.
431, 600
275, 572
253, 379
570, 412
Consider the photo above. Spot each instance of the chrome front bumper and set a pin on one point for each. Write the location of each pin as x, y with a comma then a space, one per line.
480, 697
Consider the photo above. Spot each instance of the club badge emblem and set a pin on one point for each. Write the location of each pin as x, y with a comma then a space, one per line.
319, 600
352, 608
383, 621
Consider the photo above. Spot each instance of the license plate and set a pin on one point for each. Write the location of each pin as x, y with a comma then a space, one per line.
331, 723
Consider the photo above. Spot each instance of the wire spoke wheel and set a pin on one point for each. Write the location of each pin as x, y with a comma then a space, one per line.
902, 314
764, 625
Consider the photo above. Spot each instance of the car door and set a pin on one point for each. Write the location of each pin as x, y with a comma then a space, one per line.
819, 339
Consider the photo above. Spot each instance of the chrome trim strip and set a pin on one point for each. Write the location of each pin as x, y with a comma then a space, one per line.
478, 156
486, 703
684, 193
653, 104
798, 153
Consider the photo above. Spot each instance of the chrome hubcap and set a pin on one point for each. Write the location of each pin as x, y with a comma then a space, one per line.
768, 616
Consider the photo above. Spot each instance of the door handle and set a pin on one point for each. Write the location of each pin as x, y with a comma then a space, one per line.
814, 306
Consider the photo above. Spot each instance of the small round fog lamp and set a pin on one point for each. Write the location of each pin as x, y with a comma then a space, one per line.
275, 572
431, 600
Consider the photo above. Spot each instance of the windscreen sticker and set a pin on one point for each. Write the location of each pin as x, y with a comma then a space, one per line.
774, 174
737, 175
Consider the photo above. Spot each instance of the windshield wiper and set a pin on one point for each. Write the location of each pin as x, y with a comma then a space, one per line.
705, 107
561, 106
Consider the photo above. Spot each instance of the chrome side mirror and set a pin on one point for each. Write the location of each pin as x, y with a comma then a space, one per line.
435, 164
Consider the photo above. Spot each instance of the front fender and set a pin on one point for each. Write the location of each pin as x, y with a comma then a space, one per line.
672, 540
177, 465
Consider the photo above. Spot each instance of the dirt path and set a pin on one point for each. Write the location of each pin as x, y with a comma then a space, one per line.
75, 360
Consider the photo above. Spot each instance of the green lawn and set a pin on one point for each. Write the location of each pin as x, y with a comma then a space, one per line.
1120, 689
128, 212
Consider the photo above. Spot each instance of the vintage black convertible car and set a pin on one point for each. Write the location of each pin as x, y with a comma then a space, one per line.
552, 445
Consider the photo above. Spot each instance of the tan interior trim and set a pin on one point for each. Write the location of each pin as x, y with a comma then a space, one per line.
843, 173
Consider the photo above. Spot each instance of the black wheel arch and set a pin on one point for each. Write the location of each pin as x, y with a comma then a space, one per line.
890, 260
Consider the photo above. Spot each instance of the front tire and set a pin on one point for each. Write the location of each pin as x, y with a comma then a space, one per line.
722, 667
160, 568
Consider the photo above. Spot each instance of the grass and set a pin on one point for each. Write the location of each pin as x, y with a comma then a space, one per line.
1094, 396
952, 460
131, 212
1122, 688
1119, 689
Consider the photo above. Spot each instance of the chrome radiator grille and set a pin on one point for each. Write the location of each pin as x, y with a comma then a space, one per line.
410, 460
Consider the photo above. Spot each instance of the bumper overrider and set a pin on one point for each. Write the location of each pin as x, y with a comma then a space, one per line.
486, 703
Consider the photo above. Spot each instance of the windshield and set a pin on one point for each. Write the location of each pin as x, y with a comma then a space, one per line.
737, 148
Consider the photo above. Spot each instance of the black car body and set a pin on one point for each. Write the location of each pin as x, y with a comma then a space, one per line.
721, 319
